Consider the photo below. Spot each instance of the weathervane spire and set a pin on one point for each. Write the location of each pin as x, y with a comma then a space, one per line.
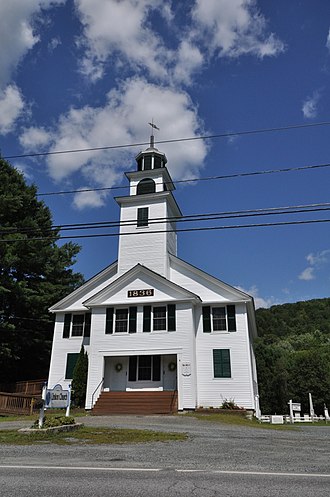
152, 138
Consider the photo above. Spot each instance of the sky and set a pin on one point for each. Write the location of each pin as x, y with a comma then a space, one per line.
86, 74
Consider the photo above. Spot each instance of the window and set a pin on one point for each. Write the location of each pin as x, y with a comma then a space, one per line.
71, 360
121, 320
161, 318
144, 368
146, 185
219, 318
142, 216
159, 315
77, 325
221, 363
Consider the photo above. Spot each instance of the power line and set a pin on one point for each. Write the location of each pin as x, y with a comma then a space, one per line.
176, 140
208, 228
194, 180
295, 209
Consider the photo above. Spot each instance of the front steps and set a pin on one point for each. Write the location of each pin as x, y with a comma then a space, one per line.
165, 402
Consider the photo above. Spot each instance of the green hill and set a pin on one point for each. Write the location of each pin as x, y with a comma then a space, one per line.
293, 355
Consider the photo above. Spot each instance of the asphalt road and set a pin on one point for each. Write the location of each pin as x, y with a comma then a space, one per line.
215, 460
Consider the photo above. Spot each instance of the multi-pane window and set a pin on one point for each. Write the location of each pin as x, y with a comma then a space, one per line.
219, 318
77, 325
159, 318
142, 216
120, 320
144, 368
221, 363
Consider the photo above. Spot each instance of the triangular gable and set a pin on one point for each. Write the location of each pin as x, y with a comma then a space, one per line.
183, 272
211, 289
74, 300
140, 278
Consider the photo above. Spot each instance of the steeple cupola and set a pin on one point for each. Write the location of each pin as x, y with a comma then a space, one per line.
149, 212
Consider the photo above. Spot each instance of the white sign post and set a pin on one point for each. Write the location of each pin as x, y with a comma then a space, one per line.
311, 407
42, 409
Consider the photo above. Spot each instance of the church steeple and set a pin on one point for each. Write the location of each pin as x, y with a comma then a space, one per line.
149, 212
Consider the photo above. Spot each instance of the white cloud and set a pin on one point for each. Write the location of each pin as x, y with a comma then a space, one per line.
119, 122
315, 261
112, 27
232, 28
309, 107
189, 59
17, 35
307, 274
328, 41
34, 138
11, 108
259, 301
83, 200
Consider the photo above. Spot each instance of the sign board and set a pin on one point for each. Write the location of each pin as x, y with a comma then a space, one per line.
149, 292
296, 406
186, 369
57, 398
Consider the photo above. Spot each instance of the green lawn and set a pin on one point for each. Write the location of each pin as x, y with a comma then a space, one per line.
88, 436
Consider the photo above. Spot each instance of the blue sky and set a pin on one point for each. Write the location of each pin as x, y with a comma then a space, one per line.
92, 73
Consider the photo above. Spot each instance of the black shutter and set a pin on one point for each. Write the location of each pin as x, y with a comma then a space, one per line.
221, 363
109, 320
132, 320
132, 368
231, 314
147, 318
171, 321
207, 319
66, 326
87, 327
156, 368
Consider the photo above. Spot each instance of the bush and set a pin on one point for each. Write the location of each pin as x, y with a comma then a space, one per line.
53, 421
230, 405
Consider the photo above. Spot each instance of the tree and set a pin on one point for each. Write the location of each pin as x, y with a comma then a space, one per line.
34, 273
79, 379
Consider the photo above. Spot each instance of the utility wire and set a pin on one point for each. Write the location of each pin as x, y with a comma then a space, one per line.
296, 209
194, 180
176, 140
209, 228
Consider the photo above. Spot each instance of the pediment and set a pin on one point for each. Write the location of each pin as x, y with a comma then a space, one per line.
208, 287
140, 285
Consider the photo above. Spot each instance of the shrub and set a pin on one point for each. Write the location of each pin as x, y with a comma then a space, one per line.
53, 421
230, 405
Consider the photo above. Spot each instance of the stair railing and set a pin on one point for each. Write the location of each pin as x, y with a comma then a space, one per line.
96, 389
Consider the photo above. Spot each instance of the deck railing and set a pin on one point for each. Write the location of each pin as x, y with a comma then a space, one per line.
18, 403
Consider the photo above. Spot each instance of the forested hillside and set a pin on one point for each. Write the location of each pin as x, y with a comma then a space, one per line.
293, 355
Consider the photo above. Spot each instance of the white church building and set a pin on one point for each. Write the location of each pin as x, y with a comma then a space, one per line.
161, 335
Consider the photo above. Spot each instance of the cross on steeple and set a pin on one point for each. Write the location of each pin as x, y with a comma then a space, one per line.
152, 138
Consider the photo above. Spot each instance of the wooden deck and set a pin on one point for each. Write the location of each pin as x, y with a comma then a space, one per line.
165, 402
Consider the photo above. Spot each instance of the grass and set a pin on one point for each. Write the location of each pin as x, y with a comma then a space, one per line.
89, 436
239, 420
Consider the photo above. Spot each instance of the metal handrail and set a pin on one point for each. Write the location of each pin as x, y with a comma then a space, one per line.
96, 389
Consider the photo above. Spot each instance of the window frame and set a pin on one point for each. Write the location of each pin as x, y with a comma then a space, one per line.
111, 320
70, 327
149, 318
135, 369
142, 219
221, 364
211, 323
